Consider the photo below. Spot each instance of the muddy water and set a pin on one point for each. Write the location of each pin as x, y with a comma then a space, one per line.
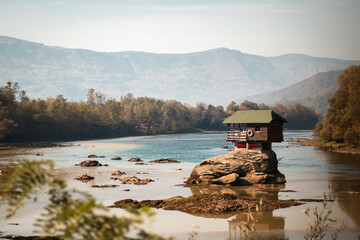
309, 172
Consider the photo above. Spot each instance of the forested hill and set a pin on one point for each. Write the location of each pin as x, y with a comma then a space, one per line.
216, 76
25, 119
342, 123
313, 92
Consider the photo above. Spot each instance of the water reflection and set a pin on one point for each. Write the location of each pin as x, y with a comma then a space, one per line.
264, 225
245, 192
344, 177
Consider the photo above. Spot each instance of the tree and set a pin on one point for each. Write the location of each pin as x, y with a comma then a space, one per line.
342, 121
231, 108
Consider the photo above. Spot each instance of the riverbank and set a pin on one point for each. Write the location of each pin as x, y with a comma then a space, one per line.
329, 146
306, 170
32, 145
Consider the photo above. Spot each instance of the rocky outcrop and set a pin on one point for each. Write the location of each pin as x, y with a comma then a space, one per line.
164, 160
240, 167
135, 159
84, 178
134, 180
95, 156
89, 163
118, 173
207, 203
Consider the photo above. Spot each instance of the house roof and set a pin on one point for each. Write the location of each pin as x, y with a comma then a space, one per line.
254, 116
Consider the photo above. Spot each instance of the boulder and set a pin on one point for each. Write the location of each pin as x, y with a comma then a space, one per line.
84, 178
116, 158
135, 159
135, 180
240, 167
118, 173
95, 156
89, 163
164, 160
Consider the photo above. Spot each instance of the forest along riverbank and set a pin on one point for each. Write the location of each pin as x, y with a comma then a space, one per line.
308, 171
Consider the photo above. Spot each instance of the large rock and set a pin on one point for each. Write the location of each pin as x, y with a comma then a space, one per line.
240, 167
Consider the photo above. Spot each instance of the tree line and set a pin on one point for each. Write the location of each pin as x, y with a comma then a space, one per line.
342, 121
25, 119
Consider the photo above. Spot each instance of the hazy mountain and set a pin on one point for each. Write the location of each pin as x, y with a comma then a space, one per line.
216, 76
313, 92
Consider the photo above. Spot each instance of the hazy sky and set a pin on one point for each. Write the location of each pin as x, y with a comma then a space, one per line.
324, 28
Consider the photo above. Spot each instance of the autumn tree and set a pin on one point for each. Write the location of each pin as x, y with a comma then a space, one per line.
342, 121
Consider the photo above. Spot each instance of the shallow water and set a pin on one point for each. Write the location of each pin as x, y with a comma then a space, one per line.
309, 172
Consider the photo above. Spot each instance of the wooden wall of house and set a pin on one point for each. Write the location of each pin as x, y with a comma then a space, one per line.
275, 131
261, 135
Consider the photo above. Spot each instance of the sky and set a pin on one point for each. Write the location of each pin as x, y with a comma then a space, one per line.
322, 28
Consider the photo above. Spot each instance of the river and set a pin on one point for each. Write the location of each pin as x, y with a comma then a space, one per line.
309, 172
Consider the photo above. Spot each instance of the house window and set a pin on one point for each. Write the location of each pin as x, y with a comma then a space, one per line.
257, 128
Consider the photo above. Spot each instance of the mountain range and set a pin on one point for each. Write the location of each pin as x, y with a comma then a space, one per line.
215, 76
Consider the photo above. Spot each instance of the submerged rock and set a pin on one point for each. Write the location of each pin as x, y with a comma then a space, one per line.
105, 186
165, 160
95, 156
207, 203
89, 163
135, 180
118, 173
135, 159
84, 178
116, 158
240, 167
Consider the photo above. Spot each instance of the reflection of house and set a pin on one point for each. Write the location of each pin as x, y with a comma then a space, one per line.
255, 128
264, 224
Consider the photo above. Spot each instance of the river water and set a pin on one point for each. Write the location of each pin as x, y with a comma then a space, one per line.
310, 172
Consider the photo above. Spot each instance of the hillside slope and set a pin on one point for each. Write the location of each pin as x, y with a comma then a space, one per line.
312, 92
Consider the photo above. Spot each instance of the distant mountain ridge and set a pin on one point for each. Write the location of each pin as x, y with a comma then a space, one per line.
215, 76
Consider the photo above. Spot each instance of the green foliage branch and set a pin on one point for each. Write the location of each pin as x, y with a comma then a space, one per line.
70, 214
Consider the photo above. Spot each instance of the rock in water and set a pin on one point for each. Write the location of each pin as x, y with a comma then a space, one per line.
89, 163
240, 167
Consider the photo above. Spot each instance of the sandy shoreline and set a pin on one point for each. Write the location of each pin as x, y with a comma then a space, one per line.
338, 148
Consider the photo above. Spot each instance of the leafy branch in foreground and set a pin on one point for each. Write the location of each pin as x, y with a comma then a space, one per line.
320, 220
70, 214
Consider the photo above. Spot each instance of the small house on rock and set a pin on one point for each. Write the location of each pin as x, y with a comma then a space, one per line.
255, 129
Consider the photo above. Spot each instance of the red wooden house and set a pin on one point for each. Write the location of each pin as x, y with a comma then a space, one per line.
255, 128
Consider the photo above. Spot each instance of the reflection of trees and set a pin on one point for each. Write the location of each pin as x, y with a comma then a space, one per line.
265, 225
348, 195
345, 182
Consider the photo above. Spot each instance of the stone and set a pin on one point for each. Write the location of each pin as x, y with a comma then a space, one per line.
89, 163
135, 180
240, 167
207, 204
84, 178
105, 186
118, 173
116, 158
95, 156
135, 159
227, 179
165, 160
